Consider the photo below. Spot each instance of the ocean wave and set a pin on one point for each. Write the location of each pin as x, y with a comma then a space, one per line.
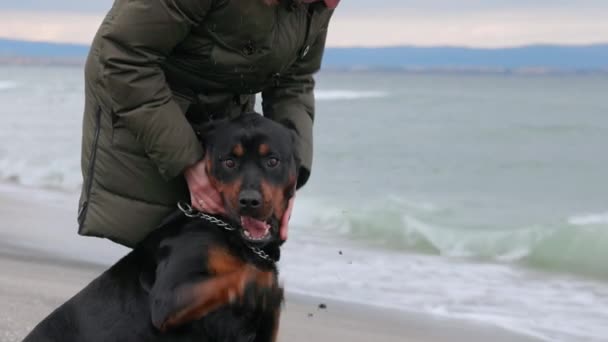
7, 85
578, 246
589, 219
336, 95
60, 174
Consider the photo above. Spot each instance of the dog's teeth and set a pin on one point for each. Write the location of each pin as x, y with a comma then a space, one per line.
257, 238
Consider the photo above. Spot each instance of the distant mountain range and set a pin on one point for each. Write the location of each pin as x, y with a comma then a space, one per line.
591, 57
536, 57
18, 48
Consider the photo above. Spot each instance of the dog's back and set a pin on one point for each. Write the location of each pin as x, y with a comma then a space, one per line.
118, 305
104, 308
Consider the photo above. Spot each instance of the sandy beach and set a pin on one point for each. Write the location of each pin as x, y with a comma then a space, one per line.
36, 278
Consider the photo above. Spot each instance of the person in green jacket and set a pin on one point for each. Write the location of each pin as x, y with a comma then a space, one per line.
159, 68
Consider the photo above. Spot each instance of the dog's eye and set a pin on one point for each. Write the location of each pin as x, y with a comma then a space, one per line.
229, 163
272, 162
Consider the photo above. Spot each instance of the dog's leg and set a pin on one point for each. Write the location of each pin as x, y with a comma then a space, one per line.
199, 299
270, 332
231, 279
277, 323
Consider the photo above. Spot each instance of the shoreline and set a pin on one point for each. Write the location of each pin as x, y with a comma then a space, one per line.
45, 249
302, 319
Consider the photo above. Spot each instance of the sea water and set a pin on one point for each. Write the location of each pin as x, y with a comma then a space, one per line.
480, 197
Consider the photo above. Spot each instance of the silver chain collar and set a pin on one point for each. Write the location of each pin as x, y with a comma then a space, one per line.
189, 211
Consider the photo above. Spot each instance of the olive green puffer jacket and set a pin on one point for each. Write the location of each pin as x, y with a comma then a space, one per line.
158, 66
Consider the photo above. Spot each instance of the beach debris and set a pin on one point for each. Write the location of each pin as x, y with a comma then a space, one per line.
340, 252
310, 314
322, 306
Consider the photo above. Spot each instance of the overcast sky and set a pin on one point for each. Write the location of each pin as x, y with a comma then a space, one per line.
478, 23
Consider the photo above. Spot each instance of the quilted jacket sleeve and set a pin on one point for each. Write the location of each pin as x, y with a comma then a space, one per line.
141, 35
291, 101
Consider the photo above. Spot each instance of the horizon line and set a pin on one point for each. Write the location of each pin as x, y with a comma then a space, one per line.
415, 46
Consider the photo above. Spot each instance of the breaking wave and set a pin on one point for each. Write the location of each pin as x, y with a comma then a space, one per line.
578, 245
7, 85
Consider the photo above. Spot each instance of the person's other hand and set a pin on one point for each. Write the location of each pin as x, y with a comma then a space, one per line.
203, 196
284, 228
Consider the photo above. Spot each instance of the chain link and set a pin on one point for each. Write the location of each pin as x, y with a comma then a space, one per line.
189, 211
260, 253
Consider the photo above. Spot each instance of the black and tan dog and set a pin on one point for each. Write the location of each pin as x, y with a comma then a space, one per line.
192, 279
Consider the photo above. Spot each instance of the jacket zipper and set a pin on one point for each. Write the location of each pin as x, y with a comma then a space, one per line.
91, 168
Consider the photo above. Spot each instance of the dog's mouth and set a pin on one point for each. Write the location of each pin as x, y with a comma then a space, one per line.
256, 231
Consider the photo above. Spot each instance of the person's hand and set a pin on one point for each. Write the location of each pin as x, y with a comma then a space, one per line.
284, 228
203, 196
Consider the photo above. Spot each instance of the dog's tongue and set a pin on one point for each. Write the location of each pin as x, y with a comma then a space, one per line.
256, 228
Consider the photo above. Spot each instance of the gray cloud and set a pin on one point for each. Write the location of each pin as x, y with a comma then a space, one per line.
440, 6
464, 6
57, 5
486, 23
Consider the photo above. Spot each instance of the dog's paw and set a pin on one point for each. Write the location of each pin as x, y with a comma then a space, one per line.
261, 291
258, 298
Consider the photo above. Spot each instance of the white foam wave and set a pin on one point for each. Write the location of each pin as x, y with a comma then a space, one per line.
498, 294
505, 246
61, 173
398, 225
589, 219
340, 94
7, 85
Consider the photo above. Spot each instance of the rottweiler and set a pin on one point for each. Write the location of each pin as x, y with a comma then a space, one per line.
199, 277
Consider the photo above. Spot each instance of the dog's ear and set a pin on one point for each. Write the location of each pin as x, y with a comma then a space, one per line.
294, 148
204, 131
301, 174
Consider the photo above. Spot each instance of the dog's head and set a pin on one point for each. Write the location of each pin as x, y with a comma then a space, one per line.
252, 162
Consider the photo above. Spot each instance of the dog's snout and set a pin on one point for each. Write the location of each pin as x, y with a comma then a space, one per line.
250, 199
